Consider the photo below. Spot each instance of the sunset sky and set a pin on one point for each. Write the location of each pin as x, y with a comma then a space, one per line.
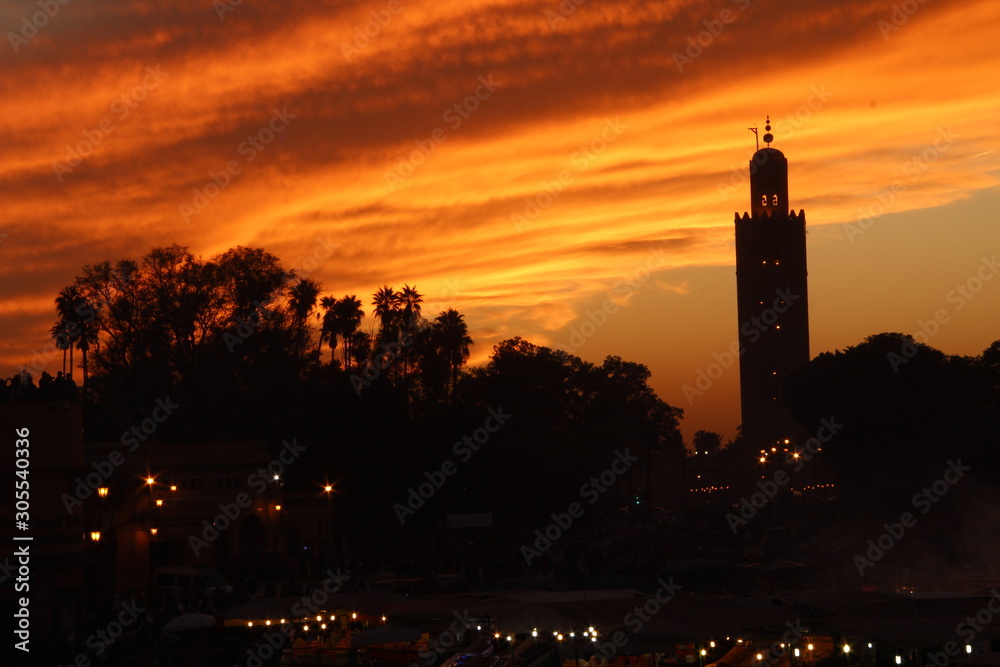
519, 160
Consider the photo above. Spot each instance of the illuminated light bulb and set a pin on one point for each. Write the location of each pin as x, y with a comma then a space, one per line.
847, 648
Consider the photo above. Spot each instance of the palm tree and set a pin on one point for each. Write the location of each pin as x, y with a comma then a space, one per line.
328, 330
452, 342
84, 341
386, 303
348, 318
303, 295
58, 333
68, 305
410, 299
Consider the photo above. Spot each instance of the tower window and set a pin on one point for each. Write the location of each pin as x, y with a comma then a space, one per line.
774, 199
763, 200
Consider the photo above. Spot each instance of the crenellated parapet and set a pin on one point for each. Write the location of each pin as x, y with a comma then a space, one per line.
768, 217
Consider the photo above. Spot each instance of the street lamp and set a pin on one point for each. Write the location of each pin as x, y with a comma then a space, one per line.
102, 491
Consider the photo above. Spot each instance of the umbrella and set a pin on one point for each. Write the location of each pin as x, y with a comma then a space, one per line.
185, 622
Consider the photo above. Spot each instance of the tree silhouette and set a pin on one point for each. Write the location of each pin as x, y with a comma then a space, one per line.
707, 442
450, 342
302, 299
348, 314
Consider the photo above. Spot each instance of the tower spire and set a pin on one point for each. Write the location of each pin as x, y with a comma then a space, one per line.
768, 138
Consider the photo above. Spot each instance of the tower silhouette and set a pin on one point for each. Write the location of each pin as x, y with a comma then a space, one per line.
772, 300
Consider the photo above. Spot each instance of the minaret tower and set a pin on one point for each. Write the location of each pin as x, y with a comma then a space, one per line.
772, 300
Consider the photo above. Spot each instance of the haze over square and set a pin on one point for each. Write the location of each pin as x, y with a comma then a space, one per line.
520, 162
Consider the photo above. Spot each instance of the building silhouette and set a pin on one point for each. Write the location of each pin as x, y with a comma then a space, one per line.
772, 301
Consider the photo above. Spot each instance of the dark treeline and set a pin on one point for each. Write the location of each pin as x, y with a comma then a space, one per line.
920, 435
250, 351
